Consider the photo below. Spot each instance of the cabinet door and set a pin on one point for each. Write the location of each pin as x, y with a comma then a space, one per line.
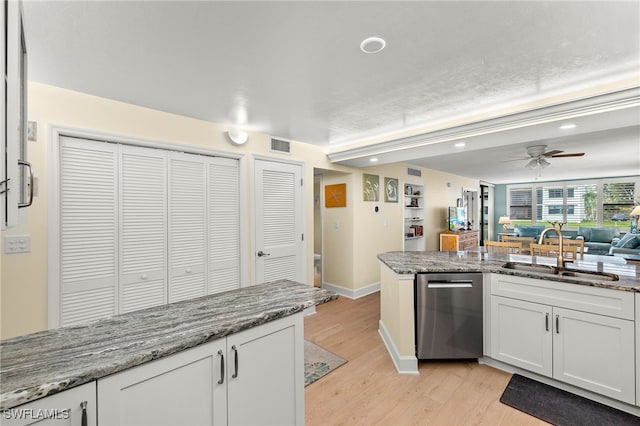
268, 364
61, 409
521, 334
448, 242
143, 228
594, 352
181, 389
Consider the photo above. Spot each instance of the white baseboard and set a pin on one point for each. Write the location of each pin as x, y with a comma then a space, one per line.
350, 293
404, 364
311, 310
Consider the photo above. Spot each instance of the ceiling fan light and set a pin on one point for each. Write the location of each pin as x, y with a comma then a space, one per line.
532, 164
543, 163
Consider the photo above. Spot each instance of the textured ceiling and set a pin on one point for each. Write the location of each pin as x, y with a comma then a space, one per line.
294, 70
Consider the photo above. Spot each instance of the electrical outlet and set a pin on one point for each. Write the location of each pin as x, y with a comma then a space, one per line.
17, 244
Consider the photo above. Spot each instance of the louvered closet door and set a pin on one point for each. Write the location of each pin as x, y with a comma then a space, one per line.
223, 225
88, 229
187, 226
143, 228
279, 246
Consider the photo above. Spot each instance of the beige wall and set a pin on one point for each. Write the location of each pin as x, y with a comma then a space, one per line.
349, 251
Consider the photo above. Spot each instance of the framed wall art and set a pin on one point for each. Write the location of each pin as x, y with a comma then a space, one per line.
390, 190
370, 187
335, 195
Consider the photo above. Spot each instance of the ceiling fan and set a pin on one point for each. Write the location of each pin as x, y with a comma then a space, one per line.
538, 154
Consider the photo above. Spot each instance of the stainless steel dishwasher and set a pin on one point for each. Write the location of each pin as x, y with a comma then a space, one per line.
448, 315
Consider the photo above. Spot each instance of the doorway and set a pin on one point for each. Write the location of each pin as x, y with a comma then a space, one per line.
317, 228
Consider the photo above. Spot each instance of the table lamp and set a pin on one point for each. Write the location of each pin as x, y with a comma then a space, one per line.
504, 221
634, 220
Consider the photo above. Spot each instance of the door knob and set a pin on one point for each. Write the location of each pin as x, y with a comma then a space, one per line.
261, 253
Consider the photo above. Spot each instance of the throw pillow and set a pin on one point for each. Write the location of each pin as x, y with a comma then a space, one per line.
631, 243
625, 239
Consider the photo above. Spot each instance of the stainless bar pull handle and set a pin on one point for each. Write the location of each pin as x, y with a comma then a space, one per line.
83, 406
546, 321
557, 324
27, 165
449, 285
221, 381
235, 357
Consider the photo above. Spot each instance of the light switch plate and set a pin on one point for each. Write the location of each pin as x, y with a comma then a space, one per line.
17, 244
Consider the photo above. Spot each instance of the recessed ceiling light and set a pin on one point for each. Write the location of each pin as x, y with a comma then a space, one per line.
372, 44
459, 145
568, 126
373, 160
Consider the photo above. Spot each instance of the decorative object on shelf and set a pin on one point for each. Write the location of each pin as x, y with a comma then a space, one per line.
390, 190
634, 220
370, 187
504, 221
408, 190
335, 195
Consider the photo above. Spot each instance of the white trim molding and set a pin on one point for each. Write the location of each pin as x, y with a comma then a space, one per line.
404, 364
353, 294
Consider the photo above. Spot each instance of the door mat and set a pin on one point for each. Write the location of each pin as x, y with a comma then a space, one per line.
318, 362
559, 407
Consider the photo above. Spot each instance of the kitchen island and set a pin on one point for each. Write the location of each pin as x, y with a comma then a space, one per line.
45, 363
527, 302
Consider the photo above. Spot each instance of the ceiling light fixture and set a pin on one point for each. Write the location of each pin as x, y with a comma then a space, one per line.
568, 126
373, 160
372, 44
459, 145
237, 137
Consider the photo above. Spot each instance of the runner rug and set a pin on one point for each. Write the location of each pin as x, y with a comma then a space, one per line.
559, 407
318, 362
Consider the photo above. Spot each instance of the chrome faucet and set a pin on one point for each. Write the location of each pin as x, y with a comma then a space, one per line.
560, 259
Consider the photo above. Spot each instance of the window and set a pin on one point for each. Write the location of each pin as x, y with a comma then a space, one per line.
555, 192
555, 209
602, 203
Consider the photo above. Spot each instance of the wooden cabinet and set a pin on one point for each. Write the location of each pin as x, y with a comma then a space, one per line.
215, 383
61, 409
577, 334
414, 217
458, 240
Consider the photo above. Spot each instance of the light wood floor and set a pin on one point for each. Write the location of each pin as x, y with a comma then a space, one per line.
367, 390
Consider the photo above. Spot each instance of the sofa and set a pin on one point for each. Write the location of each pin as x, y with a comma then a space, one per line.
533, 231
599, 240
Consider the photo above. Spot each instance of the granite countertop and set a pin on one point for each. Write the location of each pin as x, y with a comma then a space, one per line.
43, 363
412, 262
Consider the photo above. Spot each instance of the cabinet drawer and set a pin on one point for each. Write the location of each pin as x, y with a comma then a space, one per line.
603, 301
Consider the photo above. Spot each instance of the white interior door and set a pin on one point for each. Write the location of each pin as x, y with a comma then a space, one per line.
280, 246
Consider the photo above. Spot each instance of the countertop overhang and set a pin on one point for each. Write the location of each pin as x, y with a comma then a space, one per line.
40, 364
415, 262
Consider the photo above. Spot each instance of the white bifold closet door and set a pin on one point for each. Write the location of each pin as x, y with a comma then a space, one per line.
140, 227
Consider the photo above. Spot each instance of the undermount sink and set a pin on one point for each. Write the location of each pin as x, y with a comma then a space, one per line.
548, 269
589, 274
531, 267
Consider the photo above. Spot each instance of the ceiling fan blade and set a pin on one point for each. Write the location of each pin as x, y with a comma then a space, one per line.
552, 153
575, 154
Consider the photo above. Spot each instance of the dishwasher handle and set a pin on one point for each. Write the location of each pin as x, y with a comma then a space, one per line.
450, 284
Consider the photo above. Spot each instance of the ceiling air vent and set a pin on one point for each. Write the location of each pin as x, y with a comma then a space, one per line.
280, 145
414, 172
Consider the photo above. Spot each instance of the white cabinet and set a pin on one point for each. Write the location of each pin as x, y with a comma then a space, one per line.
413, 217
269, 374
577, 334
65, 408
181, 389
13, 182
252, 377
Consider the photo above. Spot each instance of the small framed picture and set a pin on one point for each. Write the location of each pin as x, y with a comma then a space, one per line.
390, 190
